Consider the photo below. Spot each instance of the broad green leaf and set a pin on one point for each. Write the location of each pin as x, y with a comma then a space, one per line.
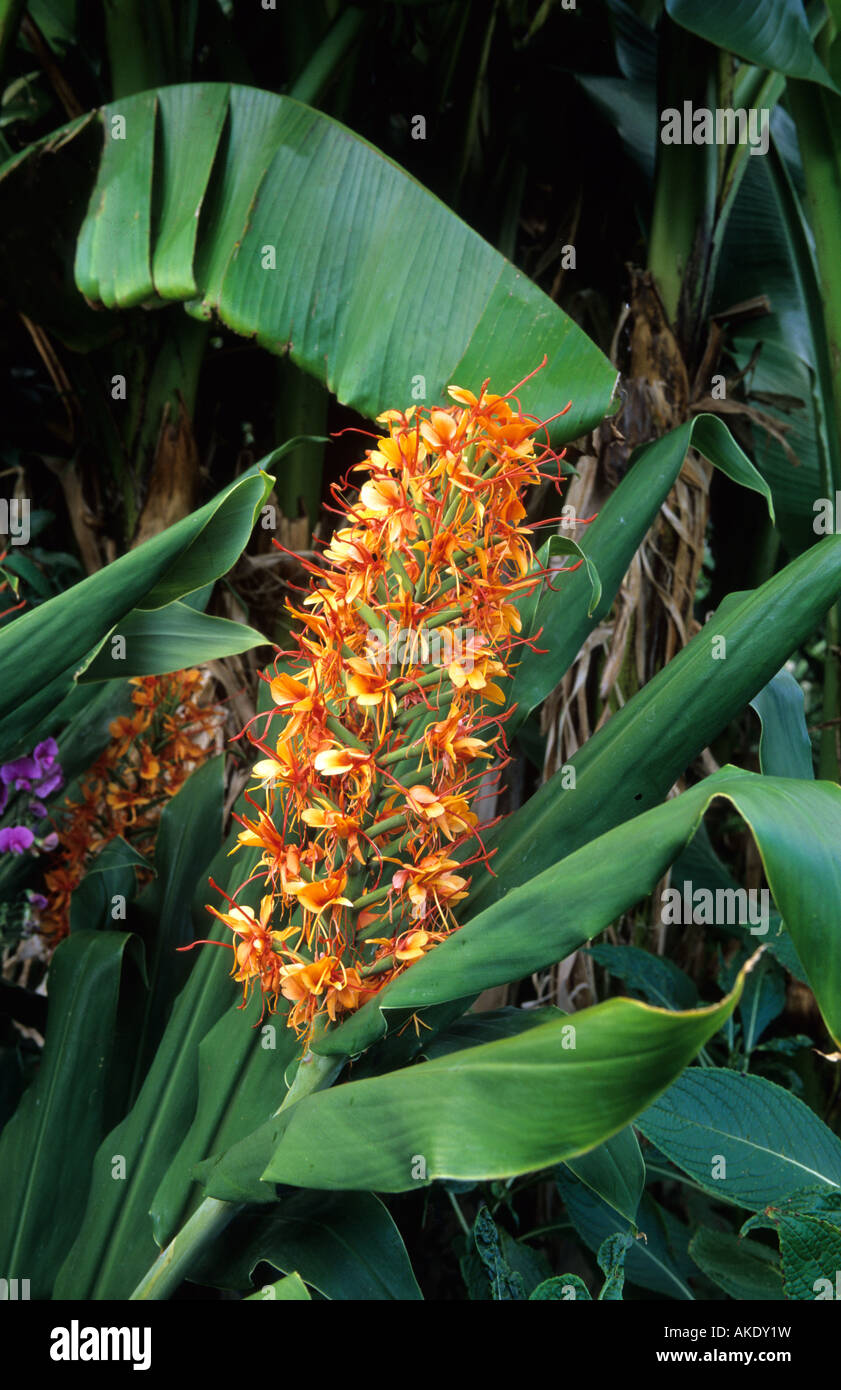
189, 831
300, 235
115, 1246
344, 1244
769, 1141
112, 872
60, 633
700, 867
615, 1172
492, 1111
773, 34
744, 1269
566, 616
485, 1027
241, 1085
168, 639
632, 763
47, 1148
796, 825
657, 1259
808, 1224
784, 746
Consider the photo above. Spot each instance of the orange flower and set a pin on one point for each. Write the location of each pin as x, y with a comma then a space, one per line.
319, 895
430, 879
380, 761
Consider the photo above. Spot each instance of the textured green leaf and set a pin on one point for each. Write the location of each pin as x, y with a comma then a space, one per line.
744, 1269
562, 1288
505, 1283
808, 1224
656, 978
611, 1262
771, 1142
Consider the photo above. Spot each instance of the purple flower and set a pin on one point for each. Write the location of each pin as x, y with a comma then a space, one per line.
49, 784
38, 809
49, 842
15, 839
20, 773
36, 900
45, 755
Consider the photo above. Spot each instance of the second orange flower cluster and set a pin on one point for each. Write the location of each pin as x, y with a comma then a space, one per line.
151, 753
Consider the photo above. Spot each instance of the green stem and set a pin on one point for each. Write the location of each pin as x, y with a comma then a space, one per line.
328, 57
174, 1263
207, 1223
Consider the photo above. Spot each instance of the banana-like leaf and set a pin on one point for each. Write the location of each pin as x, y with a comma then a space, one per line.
47, 1148
495, 1110
797, 828
773, 34
302, 236
566, 614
